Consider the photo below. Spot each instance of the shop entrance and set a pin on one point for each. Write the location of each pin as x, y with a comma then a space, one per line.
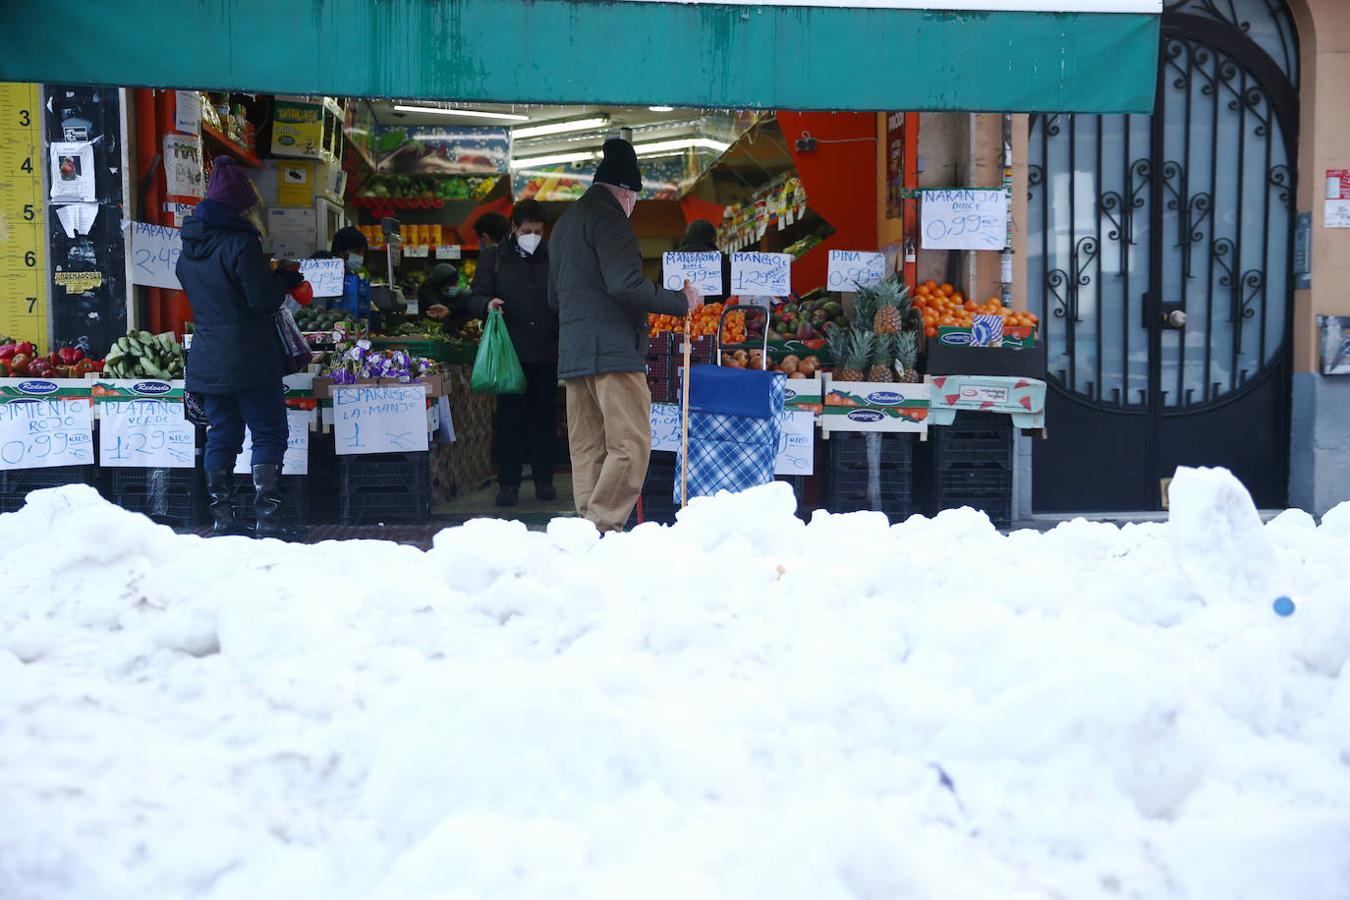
1160, 260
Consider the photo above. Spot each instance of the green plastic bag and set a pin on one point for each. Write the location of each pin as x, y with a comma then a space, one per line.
496, 369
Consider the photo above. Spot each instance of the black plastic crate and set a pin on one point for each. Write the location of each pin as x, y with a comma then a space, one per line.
16, 484
174, 497
323, 478
849, 450
890, 479
294, 499
959, 483
975, 438
384, 488
897, 505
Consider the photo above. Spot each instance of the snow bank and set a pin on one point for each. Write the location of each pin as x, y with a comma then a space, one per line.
740, 706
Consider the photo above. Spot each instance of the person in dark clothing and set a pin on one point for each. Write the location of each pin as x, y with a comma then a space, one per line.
434, 296
349, 245
513, 277
701, 237
491, 228
603, 300
237, 358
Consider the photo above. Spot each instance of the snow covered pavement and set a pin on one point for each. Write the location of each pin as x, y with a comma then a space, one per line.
741, 706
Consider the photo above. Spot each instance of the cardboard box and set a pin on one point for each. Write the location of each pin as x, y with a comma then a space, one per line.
874, 406
44, 387
137, 388
806, 394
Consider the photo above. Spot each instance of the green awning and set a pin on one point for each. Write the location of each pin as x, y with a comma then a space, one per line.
978, 55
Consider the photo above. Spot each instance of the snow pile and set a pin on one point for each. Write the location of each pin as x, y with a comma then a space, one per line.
740, 706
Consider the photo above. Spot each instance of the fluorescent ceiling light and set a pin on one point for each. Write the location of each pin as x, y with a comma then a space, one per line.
466, 113
657, 148
553, 160
530, 131
661, 108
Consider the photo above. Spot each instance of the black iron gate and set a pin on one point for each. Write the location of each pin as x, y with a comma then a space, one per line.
1160, 259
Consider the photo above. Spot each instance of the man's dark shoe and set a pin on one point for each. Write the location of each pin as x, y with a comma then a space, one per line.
545, 491
508, 495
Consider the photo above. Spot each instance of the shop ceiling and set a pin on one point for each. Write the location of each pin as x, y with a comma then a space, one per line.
978, 55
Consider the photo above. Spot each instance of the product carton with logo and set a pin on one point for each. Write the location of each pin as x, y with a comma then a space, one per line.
11, 388
874, 406
805, 394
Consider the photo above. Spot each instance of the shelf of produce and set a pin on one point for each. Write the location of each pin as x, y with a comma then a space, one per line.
374, 203
214, 135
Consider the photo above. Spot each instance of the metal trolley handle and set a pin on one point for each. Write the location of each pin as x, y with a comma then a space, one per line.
721, 321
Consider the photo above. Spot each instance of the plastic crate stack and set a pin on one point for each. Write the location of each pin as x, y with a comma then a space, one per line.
175, 497
15, 484
383, 488
657, 502
665, 357
973, 465
870, 471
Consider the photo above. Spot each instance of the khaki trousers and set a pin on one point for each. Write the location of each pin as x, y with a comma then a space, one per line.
610, 432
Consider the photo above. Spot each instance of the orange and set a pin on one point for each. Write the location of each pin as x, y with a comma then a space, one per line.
947, 289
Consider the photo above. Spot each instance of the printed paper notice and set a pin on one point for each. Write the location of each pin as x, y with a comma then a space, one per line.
44, 433
154, 255
702, 270
761, 274
1338, 199
187, 112
853, 269
296, 460
326, 276
152, 434
183, 166
964, 220
384, 419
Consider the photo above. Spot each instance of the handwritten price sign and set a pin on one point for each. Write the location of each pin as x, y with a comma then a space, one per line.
148, 434
40, 434
384, 419
965, 220
853, 269
326, 276
154, 255
761, 274
703, 270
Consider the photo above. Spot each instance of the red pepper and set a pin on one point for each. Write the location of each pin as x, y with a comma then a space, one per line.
96, 365
18, 364
54, 359
78, 354
24, 347
8, 350
304, 294
67, 355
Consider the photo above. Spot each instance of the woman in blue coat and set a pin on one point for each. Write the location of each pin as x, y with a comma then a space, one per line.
236, 361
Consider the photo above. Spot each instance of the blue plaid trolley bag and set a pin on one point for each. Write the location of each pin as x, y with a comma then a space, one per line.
734, 426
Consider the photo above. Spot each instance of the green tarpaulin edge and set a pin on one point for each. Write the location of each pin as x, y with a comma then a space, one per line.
596, 51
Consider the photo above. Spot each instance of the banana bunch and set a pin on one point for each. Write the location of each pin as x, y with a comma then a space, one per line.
140, 354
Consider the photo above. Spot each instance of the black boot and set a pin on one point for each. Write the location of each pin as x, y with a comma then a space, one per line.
220, 488
508, 495
267, 505
545, 491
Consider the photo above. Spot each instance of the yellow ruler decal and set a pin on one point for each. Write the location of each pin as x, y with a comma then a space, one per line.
23, 238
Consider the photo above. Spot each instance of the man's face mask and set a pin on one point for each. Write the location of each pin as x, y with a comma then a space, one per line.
630, 203
355, 261
529, 242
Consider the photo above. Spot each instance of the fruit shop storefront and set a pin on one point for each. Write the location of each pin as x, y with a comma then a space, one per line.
860, 210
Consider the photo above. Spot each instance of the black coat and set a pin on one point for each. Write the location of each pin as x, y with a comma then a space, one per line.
234, 297
521, 280
597, 286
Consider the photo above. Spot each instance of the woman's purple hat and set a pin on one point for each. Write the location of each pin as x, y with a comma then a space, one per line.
230, 187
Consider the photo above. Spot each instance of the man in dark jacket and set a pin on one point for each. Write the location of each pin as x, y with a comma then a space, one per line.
513, 277
596, 284
237, 358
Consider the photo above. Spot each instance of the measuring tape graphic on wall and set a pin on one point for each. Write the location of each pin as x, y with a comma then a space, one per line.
23, 270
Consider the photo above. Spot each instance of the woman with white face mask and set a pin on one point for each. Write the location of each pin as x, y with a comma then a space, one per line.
513, 277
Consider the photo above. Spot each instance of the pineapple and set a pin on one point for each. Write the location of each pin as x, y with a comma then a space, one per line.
892, 306
907, 356
852, 350
864, 308
882, 360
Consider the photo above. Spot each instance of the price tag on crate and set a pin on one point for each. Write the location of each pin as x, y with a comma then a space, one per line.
380, 419
296, 460
145, 434
45, 432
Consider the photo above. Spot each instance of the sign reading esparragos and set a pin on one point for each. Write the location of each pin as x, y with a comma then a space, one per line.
1049, 6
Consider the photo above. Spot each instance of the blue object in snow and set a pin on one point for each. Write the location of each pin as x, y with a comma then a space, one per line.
1283, 606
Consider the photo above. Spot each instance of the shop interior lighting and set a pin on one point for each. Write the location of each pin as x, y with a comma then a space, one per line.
556, 159
532, 131
466, 113
661, 108
661, 148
